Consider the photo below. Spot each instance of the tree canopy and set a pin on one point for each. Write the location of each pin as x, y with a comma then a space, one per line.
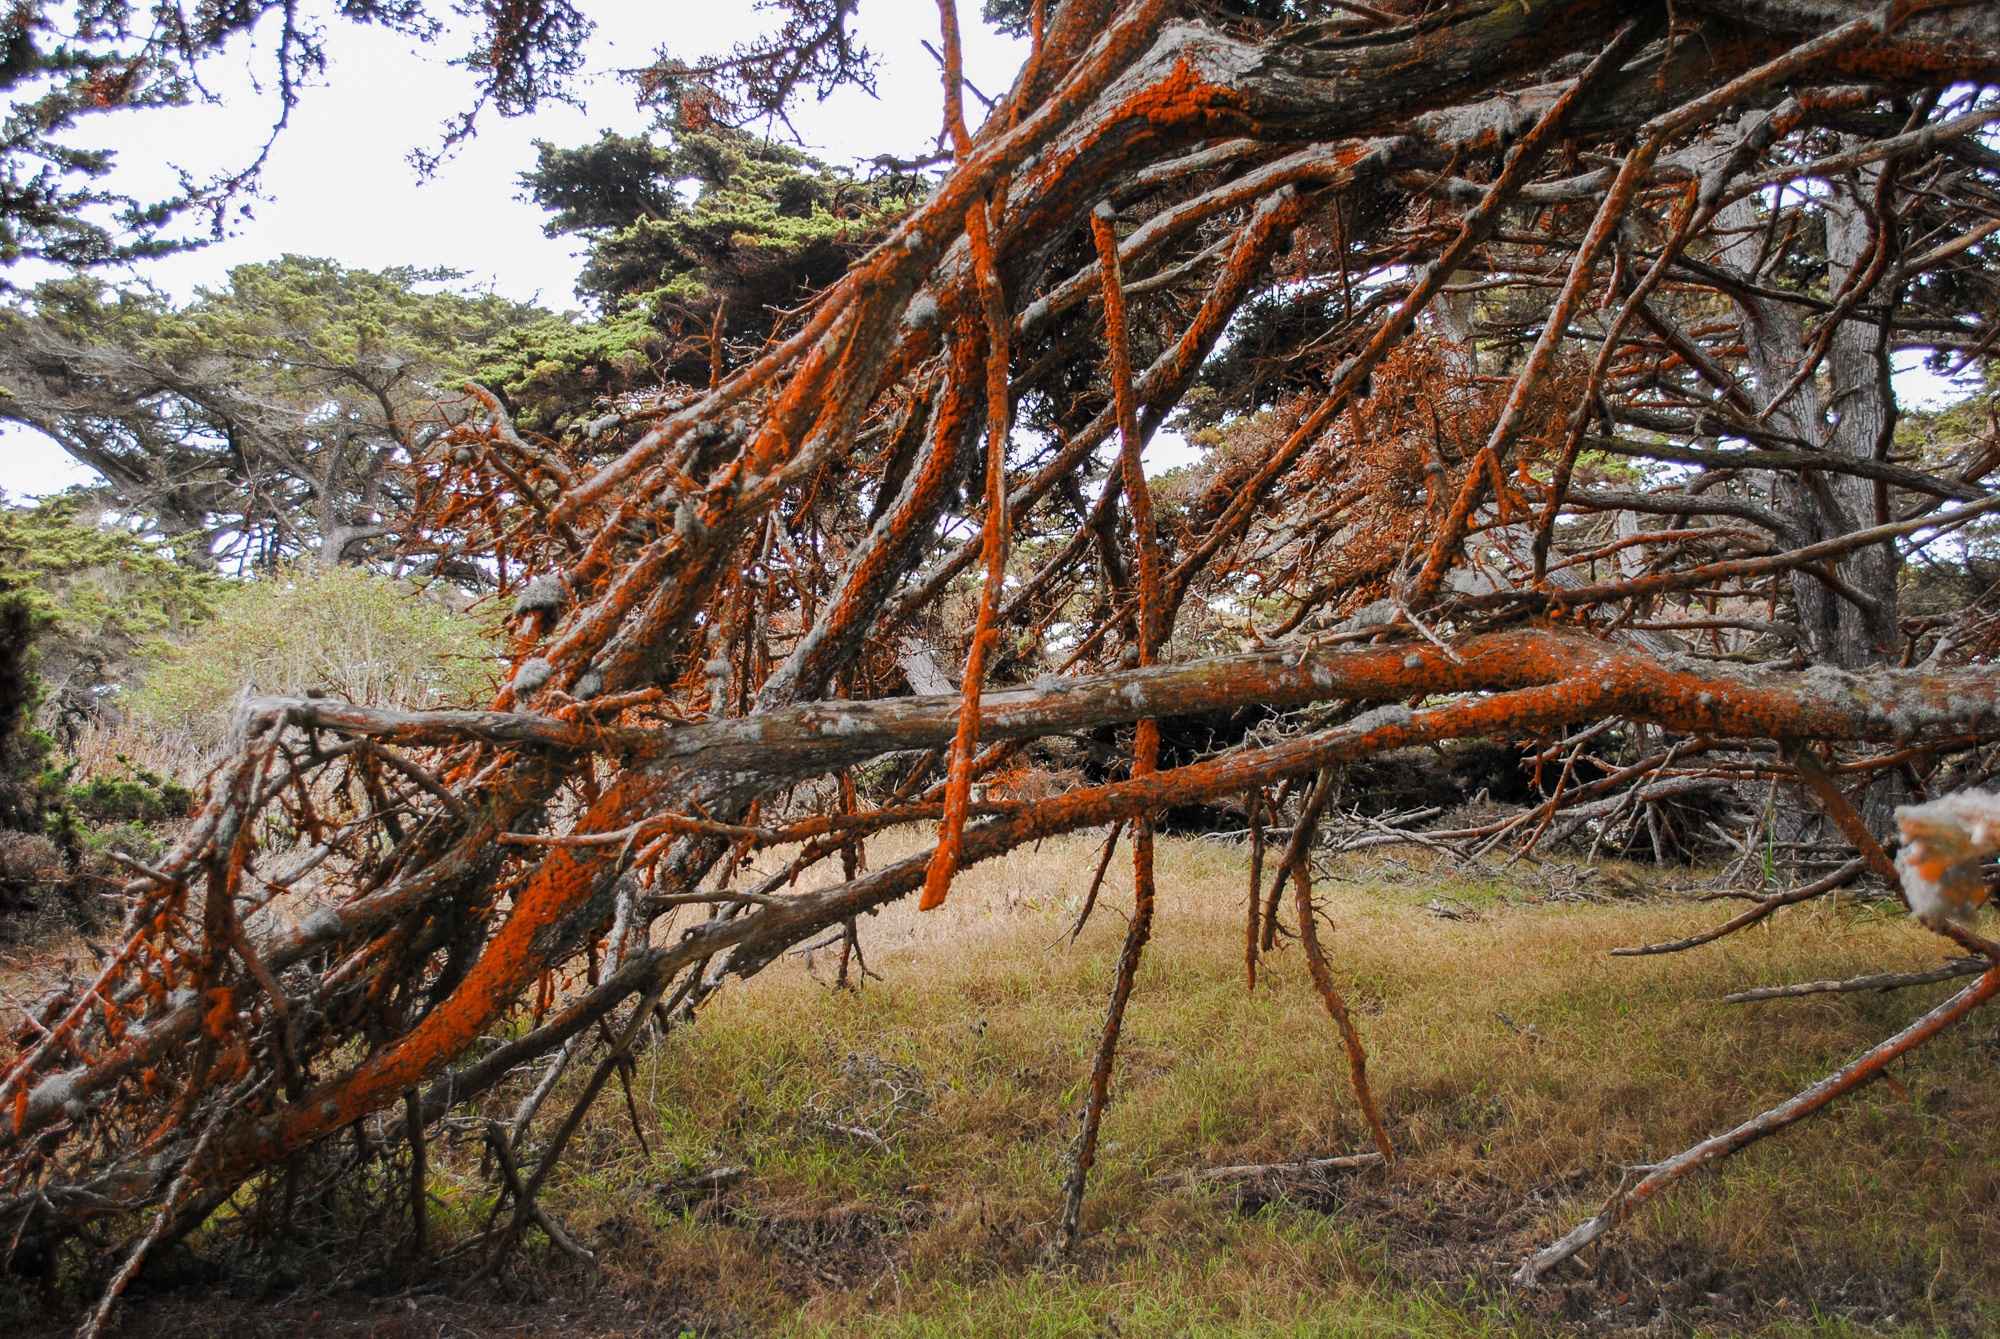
64, 65
263, 420
700, 241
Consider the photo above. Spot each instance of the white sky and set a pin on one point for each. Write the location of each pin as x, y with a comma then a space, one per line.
339, 185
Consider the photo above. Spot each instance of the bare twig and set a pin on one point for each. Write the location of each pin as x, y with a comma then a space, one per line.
1879, 981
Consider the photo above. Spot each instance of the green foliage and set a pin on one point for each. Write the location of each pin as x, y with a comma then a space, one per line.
1012, 17
757, 207
139, 797
298, 322
134, 839
709, 220
605, 186
81, 597
1940, 438
343, 631
1253, 370
94, 592
1603, 467
1960, 439
64, 66
20, 688
565, 364
305, 326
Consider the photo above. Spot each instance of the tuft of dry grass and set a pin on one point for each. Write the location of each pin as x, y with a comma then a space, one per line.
338, 630
119, 748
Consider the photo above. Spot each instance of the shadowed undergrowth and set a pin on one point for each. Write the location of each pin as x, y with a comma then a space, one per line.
900, 1146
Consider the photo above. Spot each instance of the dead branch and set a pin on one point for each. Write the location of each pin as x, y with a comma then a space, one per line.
1879, 981
1714, 1149
1272, 1171
1409, 483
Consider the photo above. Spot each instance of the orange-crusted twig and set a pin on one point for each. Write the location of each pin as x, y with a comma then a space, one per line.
1146, 733
995, 533
701, 566
1297, 866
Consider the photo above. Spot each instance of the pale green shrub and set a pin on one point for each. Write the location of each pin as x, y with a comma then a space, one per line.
342, 631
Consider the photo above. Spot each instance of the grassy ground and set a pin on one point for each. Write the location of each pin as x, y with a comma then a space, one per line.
902, 1144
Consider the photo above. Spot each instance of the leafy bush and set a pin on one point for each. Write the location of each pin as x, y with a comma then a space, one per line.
142, 797
341, 631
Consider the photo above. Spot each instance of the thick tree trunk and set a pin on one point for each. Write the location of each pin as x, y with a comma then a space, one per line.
1846, 408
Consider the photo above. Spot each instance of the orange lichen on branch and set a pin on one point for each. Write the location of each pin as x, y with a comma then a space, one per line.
1456, 400
996, 530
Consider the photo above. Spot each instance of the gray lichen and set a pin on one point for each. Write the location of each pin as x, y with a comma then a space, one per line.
544, 594
1393, 714
534, 672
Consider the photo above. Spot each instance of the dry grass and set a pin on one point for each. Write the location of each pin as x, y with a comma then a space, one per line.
338, 630
121, 748
1520, 1066
968, 1057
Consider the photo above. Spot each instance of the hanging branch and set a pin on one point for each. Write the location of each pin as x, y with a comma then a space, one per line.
1145, 733
995, 532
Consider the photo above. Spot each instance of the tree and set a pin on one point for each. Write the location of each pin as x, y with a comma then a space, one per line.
96, 596
261, 421
61, 66
78, 600
1520, 448
699, 246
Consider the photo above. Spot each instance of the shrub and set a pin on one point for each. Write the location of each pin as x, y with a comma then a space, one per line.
29, 862
342, 631
141, 798
94, 592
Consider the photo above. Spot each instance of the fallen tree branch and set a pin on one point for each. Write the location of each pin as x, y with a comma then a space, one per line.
1880, 981
1260, 1171
1840, 878
1854, 1075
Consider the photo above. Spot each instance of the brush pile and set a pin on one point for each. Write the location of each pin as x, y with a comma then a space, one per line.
1548, 359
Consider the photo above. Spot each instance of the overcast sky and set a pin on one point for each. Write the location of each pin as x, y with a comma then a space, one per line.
339, 183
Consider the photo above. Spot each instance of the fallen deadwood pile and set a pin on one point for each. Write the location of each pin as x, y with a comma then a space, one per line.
1544, 240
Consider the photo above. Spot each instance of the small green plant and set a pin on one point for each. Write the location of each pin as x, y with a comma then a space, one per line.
141, 797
